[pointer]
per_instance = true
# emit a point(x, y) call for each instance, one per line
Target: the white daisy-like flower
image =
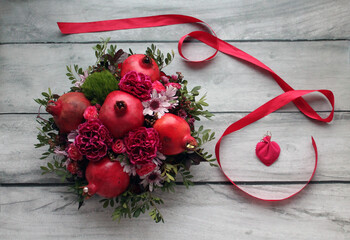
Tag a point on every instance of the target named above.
point(71, 136)
point(60, 152)
point(152, 179)
point(159, 159)
point(128, 168)
point(158, 105)
point(82, 79)
point(67, 162)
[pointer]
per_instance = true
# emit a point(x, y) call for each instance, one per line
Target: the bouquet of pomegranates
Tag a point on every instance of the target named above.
point(123, 130)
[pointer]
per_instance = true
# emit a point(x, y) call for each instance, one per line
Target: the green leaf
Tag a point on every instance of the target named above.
point(200, 128)
point(44, 168)
point(50, 165)
point(45, 94)
point(196, 88)
point(170, 177)
point(137, 213)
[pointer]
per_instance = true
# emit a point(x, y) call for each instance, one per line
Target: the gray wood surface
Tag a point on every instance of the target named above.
point(204, 212)
point(35, 21)
point(304, 65)
point(306, 42)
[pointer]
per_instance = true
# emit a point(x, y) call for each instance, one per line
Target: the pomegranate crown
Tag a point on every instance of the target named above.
point(53, 107)
point(147, 61)
point(120, 108)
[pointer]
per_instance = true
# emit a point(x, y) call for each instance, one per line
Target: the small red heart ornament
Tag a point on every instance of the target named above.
point(267, 151)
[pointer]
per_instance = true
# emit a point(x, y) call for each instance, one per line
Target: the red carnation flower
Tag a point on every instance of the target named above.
point(158, 86)
point(90, 113)
point(175, 85)
point(93, 139)
point(146, 169)
point(73, 153)
point(164, 77)
point(137, 84)
point(118, 146)
point(142, 145)
point(72, 167)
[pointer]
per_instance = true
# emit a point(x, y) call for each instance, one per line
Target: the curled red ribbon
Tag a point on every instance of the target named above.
point(222, 46)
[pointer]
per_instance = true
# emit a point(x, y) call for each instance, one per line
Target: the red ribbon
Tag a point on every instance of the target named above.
point(222, 46)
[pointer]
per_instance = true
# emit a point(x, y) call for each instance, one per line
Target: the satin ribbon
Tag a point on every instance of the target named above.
point(213, 41)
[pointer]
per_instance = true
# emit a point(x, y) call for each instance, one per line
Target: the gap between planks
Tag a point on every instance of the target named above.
point(243, 183)
point(175, 41)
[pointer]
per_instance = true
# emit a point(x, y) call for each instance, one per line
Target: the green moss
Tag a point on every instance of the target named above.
point(98, 85)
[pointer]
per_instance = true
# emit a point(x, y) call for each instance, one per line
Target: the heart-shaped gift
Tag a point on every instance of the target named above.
point(267, 151)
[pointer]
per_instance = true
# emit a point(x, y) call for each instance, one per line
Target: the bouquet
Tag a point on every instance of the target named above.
point(124, 130)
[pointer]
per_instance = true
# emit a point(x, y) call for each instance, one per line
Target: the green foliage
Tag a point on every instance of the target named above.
point(158, 56)
point(77, 188)
point(206, 156)
point(47, 97)
point(188, 100)
point(100, 49)
point(186, 177)
point(73, 76)
point(112, 50)
point(132, 205)
point(168, 186)
point(203, 135)
point(98, 85)
point(169, 172)
point(47, 134)
point(59, 169)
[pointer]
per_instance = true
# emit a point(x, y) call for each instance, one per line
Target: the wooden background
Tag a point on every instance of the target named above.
point(305, 42)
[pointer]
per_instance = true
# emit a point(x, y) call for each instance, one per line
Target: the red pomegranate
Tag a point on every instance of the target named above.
point(68, 110)
point(106, 178)
point(121, 112)
point(141, 63)
point(175, 134)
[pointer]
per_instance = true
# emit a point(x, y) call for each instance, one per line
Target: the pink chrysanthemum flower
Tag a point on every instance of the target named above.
point(158, 105)
point(170, 93)
point(128, 168)
point(152, 179)
point(72, 135)
point(82, 79)
point(60, 152)
point(159, 159)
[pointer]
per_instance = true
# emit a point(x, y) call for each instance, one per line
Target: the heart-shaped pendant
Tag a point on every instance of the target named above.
point(267, 151)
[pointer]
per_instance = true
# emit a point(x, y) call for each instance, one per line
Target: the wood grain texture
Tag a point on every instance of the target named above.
point(203, 212)
point(304, 65)
point(20, 161)
point(33, 56)
point(35, 21)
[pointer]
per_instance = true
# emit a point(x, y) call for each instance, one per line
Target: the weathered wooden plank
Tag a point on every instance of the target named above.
point(19, 161)
point(203, 212)
point(27, 70)
point(35, 21)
